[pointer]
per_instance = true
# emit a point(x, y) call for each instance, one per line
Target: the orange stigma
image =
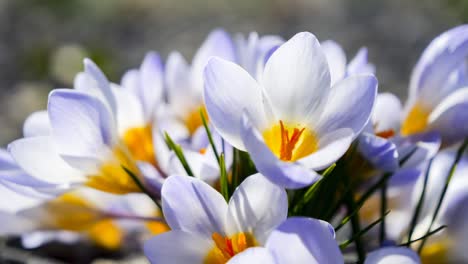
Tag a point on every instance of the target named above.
point(288, 143)
point(227, 247)
point(386, 133)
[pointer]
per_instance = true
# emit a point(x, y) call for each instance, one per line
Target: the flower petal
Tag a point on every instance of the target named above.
point(253, 255)
point(38, 157)
point(177, 247)
point(151, 92)
point(217, 44)
point(349, 105)
point(450, 117)
point(380, 152)
point(193, 206)
point(331, 147)
point(37, 124)
point(81, 124)
point(359, 64)
point(228, 90)
point(387, 112)
point(257, 206)
point(304, 240)
point(336, 59)
point(286, 174)
point(390, 255)
point(102, 83)
point(297, 79)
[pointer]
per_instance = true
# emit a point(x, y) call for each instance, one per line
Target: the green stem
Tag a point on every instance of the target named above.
point(142, 187)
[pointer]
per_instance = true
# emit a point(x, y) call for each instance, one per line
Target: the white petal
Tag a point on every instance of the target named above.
point(193, 206)
point(257, 206)
point(297, 79)
point(349, 105)
point(387, 112)
point(331, 147)
point(177, 247)
point(390, 255)
point(336, 59)
point(151, 92)
point(37, 124)
point(229, 90)
point(129, 110)
point(37, 157)
point(253, 255)
point(359, 64)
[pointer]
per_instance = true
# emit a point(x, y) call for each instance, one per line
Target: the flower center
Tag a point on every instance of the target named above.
point(193, 120)
point(416, 121)
point(139, 141)
point(386, 133)
point(227, 247)
point(112, 178)
point(290, 143)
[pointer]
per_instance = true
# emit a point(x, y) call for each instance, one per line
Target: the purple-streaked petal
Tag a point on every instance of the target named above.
point(286, 174)
point(304, 240)
point(441, 57)
point(177, 247)
point(380, 152)
point(193, 206)
point(450, 117)
point(229, 90)
point(81, 124)
point(297, 79)
point(152, 78)
point(102, 83)
point(391, 255)
point(359, 64)
point(152, 177)
point(217, 44)
point(349, 105)
point(257, 206)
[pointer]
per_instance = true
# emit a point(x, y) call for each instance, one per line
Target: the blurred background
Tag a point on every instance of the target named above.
point(43, 42)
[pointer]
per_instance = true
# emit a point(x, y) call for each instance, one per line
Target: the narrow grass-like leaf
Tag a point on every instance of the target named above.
point(407, 244)
point(223, 178)
point(419, 205)
point(141, 186)
point(458, 156)
point(362, 232)
point(179, 153)
point(383, 209)
point(210, 136)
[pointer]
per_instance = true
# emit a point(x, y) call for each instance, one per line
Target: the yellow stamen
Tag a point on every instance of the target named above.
point(290, 143)
point(227, 247)
point(416, 121)
point(157, 228)
point(202, 151)
point(193, 120)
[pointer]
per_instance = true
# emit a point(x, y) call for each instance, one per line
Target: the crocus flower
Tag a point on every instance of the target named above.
point(390, 255)
point(93, 130)
point(296, 240)
point(438, 98)
point(206, 229)
point(292, 122)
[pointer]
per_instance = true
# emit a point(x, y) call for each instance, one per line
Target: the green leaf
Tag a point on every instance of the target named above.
point(179, 153)
point(210, 136)
point(407, 244)
point(223, 178)
point(141, 186)
point(362, 232)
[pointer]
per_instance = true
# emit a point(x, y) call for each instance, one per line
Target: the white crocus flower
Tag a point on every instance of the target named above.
point(292, 122)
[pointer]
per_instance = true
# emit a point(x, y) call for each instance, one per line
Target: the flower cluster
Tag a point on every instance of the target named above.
point(261, 150)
